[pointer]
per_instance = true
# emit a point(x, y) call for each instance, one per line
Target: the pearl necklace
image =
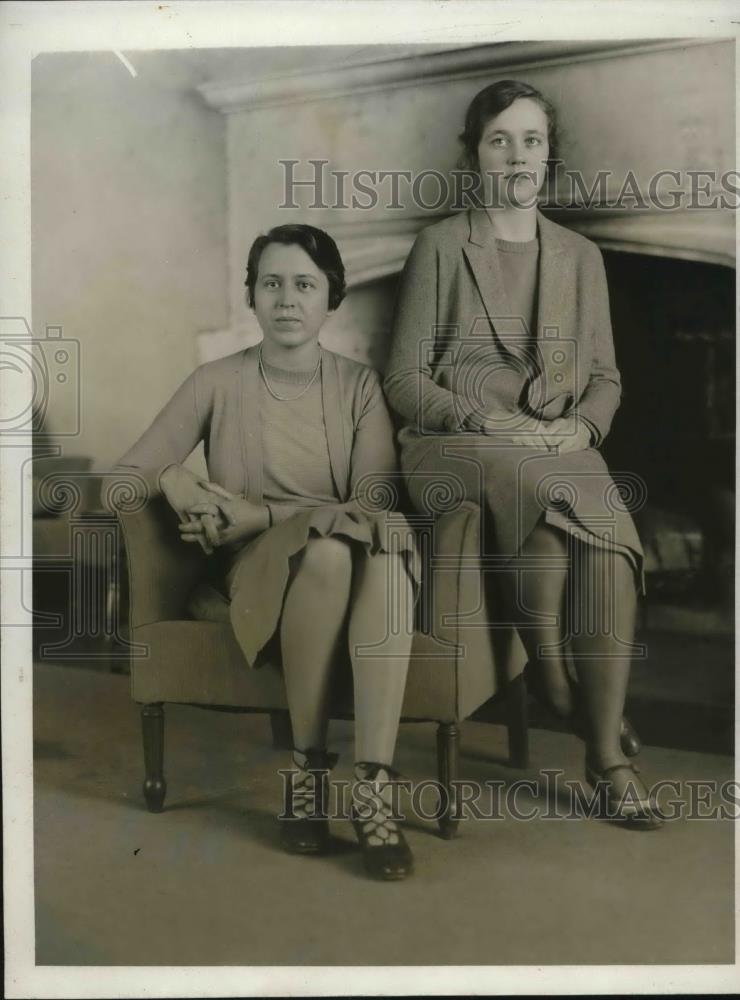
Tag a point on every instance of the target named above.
point(288, 399)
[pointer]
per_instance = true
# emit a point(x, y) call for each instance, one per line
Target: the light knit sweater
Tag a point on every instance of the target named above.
point(221, 405)
point(295, 453)
point(519, 265)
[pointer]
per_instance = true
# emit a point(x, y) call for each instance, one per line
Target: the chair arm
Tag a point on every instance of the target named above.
point(162, 569)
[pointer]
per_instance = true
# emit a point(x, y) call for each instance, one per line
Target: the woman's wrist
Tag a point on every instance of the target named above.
point(167, 473)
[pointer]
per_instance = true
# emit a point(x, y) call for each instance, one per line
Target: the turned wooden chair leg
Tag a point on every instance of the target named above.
point(282, 731)
point(152, 728)
point(448, 746)
point(517, 723)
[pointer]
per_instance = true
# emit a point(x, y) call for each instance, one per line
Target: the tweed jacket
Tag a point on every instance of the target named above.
point(219, 405)
point(457, 351)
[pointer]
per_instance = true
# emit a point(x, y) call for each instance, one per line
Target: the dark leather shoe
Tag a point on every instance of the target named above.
point(620, 803)
point(385, 853)
point(304, 836)
point(304, 825)
point(629, 740)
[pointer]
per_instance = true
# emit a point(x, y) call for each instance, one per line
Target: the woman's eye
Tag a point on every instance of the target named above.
point(305, 284)
point(498, 140)
point(534, 140)
point(270, 283)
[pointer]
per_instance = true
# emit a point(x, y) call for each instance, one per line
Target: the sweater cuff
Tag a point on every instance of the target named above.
point(592, 429)
point(157, 477)
point(133, 475)
point(462, 417)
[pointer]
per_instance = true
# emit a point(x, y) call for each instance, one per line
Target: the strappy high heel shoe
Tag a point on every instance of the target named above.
point(304, 825)
point(385, 852)
point(619, 804)
point(628, 738)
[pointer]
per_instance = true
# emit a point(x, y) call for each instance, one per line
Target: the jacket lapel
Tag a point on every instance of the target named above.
point(251, 426)
point(556, 320)
point(555, 279)
point(485, 264)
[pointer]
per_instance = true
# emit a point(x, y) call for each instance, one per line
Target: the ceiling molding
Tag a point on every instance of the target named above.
point(454, 63)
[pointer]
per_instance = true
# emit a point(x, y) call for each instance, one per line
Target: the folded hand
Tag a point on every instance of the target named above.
point(568, 434)
point(565, 434)
point(524, 431)
point(236, 519)
point(184, 490)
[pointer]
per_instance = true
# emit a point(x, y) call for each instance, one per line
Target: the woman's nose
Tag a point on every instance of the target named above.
point(517, 153)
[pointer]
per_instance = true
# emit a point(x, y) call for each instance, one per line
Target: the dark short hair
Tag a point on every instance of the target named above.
point(491, 101)
point(319, 246)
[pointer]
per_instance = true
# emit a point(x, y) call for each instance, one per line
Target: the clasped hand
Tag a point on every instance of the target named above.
point(226, 520)
point(565, 434)
point(210, 515)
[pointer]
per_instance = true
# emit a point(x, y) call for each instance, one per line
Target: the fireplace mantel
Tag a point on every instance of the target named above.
point(706, 235)
point(375, 250)
point(626, 106)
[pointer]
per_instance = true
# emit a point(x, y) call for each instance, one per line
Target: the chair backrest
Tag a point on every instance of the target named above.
point(163, 570)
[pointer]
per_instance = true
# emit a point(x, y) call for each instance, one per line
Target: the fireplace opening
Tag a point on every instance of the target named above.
point(675, 341)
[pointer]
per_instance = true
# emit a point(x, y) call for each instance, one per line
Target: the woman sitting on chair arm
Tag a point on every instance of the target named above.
point(502, 367)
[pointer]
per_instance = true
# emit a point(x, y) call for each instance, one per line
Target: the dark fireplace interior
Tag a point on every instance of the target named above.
point(674, 335)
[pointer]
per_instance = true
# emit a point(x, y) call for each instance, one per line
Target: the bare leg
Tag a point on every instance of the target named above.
point(313, 616)
point(536, 597)
point(380, 636)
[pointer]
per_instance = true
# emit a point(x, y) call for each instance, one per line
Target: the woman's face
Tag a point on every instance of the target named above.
point(515, 148)
point(291, 295)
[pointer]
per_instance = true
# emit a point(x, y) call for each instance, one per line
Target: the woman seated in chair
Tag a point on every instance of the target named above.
point(299, 443)
point(502, 366)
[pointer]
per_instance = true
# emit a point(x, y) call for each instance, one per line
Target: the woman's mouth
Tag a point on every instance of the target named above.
point(287, 320)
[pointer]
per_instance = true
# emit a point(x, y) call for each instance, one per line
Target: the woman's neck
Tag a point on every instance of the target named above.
point(515, 224)
point(301, 358)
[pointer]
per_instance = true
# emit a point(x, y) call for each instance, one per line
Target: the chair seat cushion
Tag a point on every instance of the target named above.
point(200, 662)
point(457, 660)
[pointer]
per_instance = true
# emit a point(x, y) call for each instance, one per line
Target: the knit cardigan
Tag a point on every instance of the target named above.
point(219, 405)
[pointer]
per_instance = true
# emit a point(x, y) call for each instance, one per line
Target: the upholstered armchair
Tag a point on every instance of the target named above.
point(177, 658)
